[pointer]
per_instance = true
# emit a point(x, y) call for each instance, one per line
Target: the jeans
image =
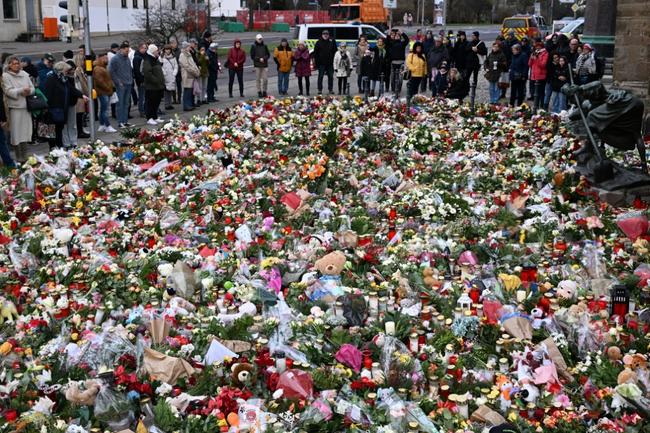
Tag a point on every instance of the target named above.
point(261, 78)
point(540, 85)
point(204, 89)
point(212, 86)
point(396, 77)
point(329, 70)
point(517, 92)
point(547, 94)
point(170, 95)
point(122, 106)
point(141, 98)
point(4, 151)
point(188, 98)
point(69, 133)
point(104, 105)
point(414, 86)
point(306, 84)
point(343, 85)
point(559, 101)
point(283, 82)
point(240, 79)
point(152, 98)
point(495, 92)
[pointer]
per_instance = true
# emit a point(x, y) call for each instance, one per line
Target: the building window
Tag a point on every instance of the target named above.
point(135, 4)
point(124, 4)
point(10, 8)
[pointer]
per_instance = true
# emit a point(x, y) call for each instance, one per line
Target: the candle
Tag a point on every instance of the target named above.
point(521, 295)
point(414, 343)
point(390, 328)
point(280, 362)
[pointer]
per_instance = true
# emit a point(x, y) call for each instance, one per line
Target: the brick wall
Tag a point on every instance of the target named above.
point(632, 50)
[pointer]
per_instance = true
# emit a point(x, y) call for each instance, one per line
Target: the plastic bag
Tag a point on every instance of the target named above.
point(593, 262)
point(103, 350)
point(113, 409)
point(400, 367)
point(21, 259)
point(355, 309)
point(643, 271)
point(633, 224)
point(296, 384)
point(318, 411)
point(168, 218)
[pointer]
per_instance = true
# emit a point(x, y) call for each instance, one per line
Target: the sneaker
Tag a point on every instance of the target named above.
point(122, 125)
point(101, 128)
point(151, 122)
point(230, 95)
point(110, 129)
point(169, 107)
point(159, 120)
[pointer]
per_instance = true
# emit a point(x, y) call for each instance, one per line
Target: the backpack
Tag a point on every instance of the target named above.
point(600, 67)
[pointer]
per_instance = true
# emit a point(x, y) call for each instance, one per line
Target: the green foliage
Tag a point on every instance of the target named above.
point(207, 382)
point(164, 417)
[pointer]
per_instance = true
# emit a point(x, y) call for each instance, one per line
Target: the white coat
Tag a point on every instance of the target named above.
point(170, 69)
point(340, 69)
point(20, 120)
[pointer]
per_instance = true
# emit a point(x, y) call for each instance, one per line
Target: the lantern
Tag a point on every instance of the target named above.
point(464, 303)
point(619, 304)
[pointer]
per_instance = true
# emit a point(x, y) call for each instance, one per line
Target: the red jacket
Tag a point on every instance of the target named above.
point(236, 55)
point(537, 63)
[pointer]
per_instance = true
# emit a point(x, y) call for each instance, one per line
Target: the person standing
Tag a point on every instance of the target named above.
point(396, 46)
point(213, 71)
point(560, 78)
point(44, 67)
point(406, 19)
point(495, 64)
point(30, 68)
point(324, 51)
point(206, 40)
point(138, 57)
point(235, 65)
point(5, 156)
point(122, 75)
point(81, 82)
point(459, 56)
point(154, 84)
point(204, 71)
point(189, 72)
point(585, 65)
point(16, 86)
point(170, 70)
point(518, 76)
point(176, 51)
point(574, 52)
point(303, 67)
point(283, 57)
point(475, 53)
point(260, 55)
point(342, 67)
point(537, 64)
point(416, 63)
point(61, 95)
point(438, 54)
point(69, 133)
point(380, 68)
point(359, 52)
point(104, 89)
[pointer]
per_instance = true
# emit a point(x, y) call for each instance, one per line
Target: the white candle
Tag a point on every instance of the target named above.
point(390, 328)
point(521, 295)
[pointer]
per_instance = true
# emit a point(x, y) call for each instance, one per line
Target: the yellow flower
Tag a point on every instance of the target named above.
point(5, 348)
point(512, 417)
point(79, 205)
point(510, 282)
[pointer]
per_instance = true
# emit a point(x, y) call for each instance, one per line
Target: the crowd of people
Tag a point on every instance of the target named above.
point(154, 79)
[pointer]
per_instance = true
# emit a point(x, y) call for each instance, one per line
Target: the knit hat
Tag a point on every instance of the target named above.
point(68, 54)
point(587, 47)
point(49, 57)
point(214, 46)
point(114, 45)
point(152, 50)
point(476, 33)
point(258, 37)
point(185, 45)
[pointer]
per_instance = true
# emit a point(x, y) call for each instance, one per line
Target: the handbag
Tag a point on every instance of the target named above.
point(36, 102)
point(114, 99)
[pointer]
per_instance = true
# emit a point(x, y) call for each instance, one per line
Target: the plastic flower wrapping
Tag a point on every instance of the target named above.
point(323, 265)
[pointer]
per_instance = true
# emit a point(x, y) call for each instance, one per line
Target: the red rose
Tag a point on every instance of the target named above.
point(11, 415)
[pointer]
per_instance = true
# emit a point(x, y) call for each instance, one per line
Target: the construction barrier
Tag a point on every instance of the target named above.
point(280, 27)
point(231, 27)
point(268, 18)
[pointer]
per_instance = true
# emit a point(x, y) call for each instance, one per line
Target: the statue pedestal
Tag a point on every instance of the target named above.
point(600, 26)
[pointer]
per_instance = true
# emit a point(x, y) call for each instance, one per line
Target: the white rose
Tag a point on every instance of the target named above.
point(165, 269)
point(207, 283)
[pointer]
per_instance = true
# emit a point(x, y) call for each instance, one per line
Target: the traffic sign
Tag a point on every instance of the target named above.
point(575, 7)
point(390, 4)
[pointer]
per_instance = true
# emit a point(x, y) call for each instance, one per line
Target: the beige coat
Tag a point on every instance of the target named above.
point(20, 120)
point(189, 70)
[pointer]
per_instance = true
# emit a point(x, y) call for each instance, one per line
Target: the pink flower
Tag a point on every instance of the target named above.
point(593, 222)
point(564, 400)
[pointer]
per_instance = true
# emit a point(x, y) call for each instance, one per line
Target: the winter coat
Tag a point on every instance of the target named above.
point(260, 51)
point(61, 93)
point(189, 70)
point(213, 63)
point(102, 79)
point(537, 63)
point(204, 65)
point(342, 63)
point(359, 51)
point(586, 64)
point(138, 74)
point(13, 85)
point(303, 62)
point(559, 71)
point(495, 64)
point(283, 58)
point(324, 52)
point(380, 64)
point(436, 56)
point(121, 70)
point(238, 56)
point(43, 71)
point(417, 65)
point(365, 63)
point(427, 45)
point(441, 84)
point(458, 89)
point(397, 48)
point(170, 70)
point(519, 67)
point(460, 54)
point(152, 72)
point(473, 61)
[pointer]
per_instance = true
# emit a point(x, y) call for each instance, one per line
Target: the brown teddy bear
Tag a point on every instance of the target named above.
point(85, 397)
point(242, 375)
point(330, 266)
point(429, 278)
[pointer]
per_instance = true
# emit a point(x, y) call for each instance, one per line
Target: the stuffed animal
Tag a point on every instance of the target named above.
point(8, 312)
point(614, 353)
point(242, 375)
point(567, 289)
point(330, 266)
point(635, 361)
point(627, 376)
point(86, 397)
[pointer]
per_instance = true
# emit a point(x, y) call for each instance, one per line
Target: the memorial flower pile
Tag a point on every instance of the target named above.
point(323, 265)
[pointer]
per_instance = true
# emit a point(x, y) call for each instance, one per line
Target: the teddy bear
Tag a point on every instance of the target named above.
point(242, 375)
point(8, 312)
point(330, 267)
point(86, 397)
point(614, 353)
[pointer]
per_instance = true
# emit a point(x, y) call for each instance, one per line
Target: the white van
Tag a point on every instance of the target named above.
point(348, 33)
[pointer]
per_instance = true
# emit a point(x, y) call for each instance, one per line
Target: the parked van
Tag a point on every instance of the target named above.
point(348, 33)
point(530, 26)
point(575, 27)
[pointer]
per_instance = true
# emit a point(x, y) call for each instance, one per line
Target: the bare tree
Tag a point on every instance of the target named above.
point(163, 21)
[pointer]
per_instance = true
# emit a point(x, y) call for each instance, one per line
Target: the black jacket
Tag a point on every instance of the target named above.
point(380, 64)
point(58, 92)
point(473, 61)
point(460, 54)
point(137, 61)
point(213, 63)
point(397, 48)
point(3, 113)
point(458, 89)
point(436, 56)
point(260, 51)
point(152, 71)
point(324, 52)
point(559, 71)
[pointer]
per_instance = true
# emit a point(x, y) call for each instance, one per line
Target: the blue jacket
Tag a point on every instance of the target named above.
point(42, 74)
point(519, 66)
point(121, 70)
